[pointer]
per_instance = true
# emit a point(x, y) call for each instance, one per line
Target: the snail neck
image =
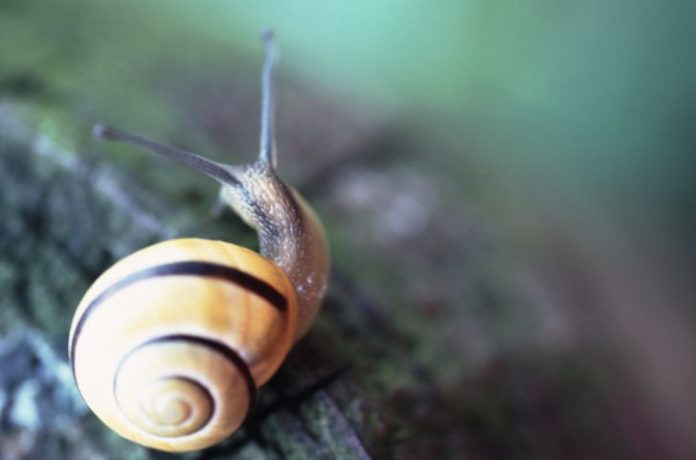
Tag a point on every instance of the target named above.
point(289, 232)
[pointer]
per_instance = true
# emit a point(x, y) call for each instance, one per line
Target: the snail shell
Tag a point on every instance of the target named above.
point(169, 345)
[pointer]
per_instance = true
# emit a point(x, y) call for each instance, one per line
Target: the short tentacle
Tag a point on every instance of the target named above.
point(218, 171)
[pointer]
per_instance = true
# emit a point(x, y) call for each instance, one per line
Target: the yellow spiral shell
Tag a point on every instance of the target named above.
point(169, 345)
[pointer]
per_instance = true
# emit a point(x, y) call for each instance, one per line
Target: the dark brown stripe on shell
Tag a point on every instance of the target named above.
point(203, 269)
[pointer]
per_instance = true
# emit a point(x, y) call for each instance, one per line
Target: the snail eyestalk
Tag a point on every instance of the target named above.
point(213, 169)
point(268, 143)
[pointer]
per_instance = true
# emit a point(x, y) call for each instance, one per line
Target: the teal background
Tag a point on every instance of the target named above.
point(591, 100)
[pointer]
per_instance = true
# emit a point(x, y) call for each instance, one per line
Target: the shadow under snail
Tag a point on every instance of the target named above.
point(170, 344)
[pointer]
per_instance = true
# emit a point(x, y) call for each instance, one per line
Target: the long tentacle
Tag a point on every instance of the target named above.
point(268, 143)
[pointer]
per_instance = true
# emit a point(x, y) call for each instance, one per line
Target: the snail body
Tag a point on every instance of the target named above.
point(169, 346)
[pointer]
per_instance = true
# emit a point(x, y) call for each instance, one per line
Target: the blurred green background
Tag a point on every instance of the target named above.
point(591, 100)
point(565, 129)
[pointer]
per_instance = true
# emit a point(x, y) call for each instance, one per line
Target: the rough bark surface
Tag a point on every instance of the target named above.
point(417, 352)
point(64, 221)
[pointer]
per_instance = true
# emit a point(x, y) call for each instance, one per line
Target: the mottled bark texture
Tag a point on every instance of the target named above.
point(430, 343)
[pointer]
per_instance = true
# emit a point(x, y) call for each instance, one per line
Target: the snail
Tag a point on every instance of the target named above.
point(169, 345)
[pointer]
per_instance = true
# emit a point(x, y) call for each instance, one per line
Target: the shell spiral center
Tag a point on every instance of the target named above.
point(174, 406)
